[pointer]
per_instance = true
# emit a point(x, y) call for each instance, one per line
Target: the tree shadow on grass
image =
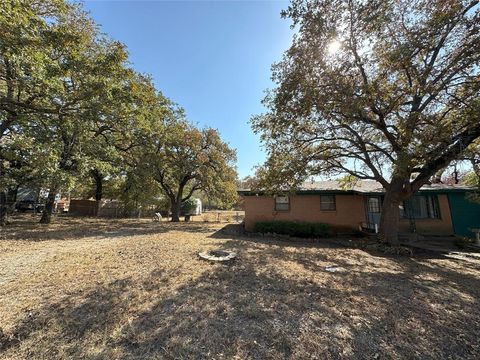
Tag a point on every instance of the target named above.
point(366, 244)
point(231, 311)
point(68, 227)
point(309, 253)
point(251, 309)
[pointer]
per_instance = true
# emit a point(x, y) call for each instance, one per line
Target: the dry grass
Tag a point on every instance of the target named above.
point(133, 289)
point(221, 216)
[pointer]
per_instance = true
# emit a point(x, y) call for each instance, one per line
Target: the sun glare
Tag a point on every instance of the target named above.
point(334, 46)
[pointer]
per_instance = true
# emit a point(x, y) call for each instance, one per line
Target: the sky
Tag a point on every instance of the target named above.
point(213, 58)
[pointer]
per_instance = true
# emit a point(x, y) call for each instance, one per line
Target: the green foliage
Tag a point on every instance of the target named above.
point(218, 203)
point(388, 102)
point(471, 179)
point(189, 206)
point(398, 101)
point(185, 160)
point(138, 192)
point(472, 155)
point(293, 228)
point(57, 76)
point(74, 116)
point(348, 182)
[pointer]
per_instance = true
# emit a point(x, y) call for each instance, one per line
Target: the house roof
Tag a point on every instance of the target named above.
point(334, 185)
point(362, 187)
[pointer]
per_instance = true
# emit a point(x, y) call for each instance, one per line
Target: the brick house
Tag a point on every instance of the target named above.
point(428, 212)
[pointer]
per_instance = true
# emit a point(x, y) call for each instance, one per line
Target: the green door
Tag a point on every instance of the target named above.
point(465, 214)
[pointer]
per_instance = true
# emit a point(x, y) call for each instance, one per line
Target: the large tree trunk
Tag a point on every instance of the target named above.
point(98, 177)
point(47, 212)
point(3, 208)
point(390, 217)
point(3, 195)
point(175, 205)
point(12, 199)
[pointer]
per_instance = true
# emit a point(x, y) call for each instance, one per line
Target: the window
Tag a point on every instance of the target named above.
point(373, 204)
point(420, 207)
point(282, 203)
point(327, 202)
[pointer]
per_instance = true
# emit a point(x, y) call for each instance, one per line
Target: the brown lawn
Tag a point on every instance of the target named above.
point(134, 289)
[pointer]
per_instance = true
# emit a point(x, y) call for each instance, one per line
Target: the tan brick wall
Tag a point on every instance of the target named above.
point(349, 213)
point(442, 226)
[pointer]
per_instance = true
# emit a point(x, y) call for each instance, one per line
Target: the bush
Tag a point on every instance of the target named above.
point(462, 242)
point(293, 228)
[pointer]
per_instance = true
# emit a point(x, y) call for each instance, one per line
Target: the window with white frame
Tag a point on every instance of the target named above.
point(282, 203)
point(327, 202)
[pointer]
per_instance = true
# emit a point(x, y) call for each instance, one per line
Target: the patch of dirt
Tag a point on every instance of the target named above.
point(134, 289)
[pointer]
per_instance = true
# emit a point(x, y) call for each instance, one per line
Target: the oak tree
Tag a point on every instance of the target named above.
point(382, 90)
point(184, 160)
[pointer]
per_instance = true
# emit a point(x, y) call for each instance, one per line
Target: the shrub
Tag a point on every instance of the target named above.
point(293, 228)
point(462, 242)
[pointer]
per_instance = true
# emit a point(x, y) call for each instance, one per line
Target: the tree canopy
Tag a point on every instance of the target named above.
point(184, 160)
point(381, 90)
point(72, 109)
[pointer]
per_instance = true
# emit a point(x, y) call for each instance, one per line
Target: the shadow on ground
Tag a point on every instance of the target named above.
point(252, 309)
point(341, 242)
point(68, 227)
